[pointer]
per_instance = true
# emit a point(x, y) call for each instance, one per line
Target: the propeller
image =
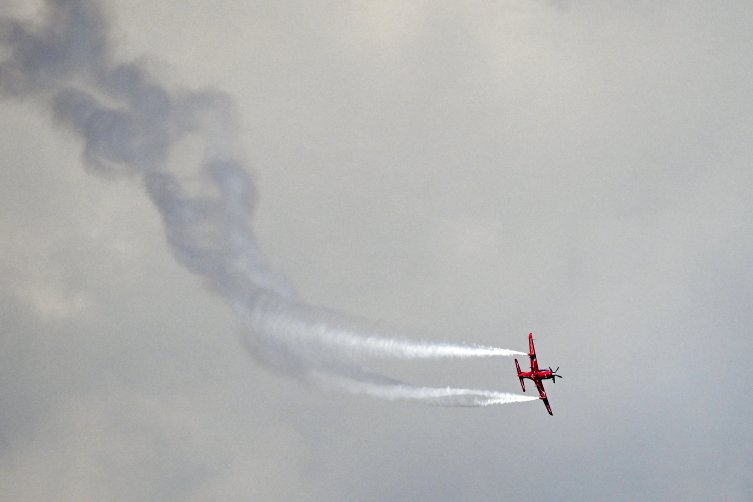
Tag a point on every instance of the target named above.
point(554, 374)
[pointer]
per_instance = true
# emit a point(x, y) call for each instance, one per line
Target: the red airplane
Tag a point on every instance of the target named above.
point(538, 376)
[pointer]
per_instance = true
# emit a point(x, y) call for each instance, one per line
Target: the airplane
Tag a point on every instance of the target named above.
point(537, 375)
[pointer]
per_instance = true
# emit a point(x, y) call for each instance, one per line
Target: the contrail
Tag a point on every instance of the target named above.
point(130, 125)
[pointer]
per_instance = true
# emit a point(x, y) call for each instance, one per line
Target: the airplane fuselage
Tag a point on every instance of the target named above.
point(539, 375)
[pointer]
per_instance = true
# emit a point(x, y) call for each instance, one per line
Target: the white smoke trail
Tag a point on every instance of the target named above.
point(438, 396)
point(130, 124)
point(304, 326)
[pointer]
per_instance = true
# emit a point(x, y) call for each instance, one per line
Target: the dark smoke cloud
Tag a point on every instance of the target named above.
point(131, 125)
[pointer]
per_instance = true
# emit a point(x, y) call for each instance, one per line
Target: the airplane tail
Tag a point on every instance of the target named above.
point(522, 384)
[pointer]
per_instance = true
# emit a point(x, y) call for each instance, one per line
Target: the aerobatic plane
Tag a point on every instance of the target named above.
point(538, 376)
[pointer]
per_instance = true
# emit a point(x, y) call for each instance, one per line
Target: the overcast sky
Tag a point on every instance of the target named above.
point(469, 172)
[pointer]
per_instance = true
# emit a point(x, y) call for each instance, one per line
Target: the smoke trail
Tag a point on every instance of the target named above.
point(130, 124)
point(438, 396)
point(342, 335)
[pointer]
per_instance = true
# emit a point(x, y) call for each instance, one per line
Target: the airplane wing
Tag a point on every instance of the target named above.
point(531, 348)
point(532, 353)
point(542, 396)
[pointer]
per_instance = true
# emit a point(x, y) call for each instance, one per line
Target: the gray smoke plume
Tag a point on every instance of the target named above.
point(131, 125)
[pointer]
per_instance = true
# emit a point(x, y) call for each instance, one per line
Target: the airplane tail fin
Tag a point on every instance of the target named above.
point(522, 384)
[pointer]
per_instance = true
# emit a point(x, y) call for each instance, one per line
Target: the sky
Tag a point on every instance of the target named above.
point(467, 172)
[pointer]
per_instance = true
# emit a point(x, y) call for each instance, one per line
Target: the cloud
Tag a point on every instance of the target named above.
point(603, 148)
